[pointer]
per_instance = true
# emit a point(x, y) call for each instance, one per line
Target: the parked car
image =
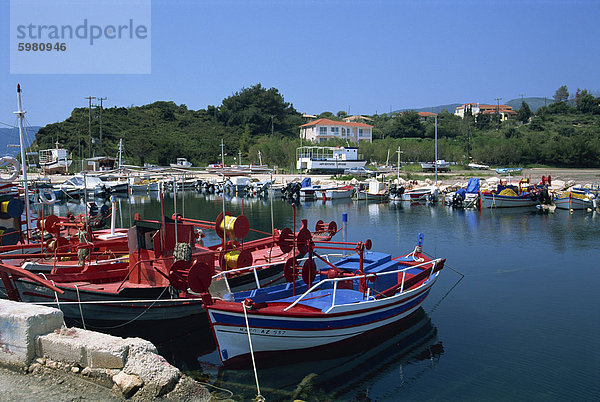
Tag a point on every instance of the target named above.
point(359, 171)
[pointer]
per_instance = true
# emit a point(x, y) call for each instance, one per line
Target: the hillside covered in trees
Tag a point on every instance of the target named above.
point(565, 133)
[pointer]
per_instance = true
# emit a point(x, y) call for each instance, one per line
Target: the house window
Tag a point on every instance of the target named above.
point(323, 130)
point(360, 132)
point(335, 130)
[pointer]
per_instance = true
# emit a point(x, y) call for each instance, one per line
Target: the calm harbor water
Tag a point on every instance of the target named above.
point(522, 324)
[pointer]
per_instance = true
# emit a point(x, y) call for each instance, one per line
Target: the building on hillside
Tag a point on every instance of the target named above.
point(505, 111)
point(321, 130)
point(425, 115)
point(357, 118)
point(308, 117)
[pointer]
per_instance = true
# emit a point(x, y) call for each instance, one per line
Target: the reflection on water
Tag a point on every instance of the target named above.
point(413, 349)
point(530, 288)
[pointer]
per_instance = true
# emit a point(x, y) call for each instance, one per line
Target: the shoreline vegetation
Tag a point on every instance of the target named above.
point(257, 125)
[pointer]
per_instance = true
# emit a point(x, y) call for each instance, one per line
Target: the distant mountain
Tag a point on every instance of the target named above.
point(10, 136)
point(533, 103)
point(434, 109)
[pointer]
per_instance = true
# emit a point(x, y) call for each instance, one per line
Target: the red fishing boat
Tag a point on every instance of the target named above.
point(151, 282)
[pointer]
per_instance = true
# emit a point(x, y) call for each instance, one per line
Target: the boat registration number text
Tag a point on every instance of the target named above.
point(264, 331)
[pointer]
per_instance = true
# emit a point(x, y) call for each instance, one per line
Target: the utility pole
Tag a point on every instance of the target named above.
point(101, 152)
point(89, 98)
point(522, 100)
point(498, 111)
point(468, 142)
point(79, 146)
point(436, 155)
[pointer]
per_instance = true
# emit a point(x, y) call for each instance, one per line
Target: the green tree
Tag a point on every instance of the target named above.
point(586, 102)
point(408, 124)
point(561, 94)
point(328, 115)
point(524, 113)
point(258, 108)
point(483, 121)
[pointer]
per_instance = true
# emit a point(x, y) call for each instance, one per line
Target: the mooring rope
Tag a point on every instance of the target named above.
point(259, 397)
point(56, 298)
point(218, 389)
point(79, 304)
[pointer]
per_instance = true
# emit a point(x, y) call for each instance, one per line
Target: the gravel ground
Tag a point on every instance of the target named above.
point(46, 384)
point(51, 385)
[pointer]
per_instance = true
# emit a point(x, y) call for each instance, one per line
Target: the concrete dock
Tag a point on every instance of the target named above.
point(40, 359)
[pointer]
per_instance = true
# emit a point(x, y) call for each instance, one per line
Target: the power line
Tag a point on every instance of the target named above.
point(89, 98)
point(498, 111)
point(101, 99)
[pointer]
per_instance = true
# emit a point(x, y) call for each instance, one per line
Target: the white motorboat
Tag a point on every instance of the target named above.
point(77, 185)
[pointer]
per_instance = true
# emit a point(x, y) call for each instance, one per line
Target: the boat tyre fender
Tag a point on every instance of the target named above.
point(9, 160)
point(47, 197)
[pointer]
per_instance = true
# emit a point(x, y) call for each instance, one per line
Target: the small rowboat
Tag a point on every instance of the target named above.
point(356, 296)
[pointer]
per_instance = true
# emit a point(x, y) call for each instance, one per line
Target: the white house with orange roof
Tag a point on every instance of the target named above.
point(505, 111)
point(321, 130)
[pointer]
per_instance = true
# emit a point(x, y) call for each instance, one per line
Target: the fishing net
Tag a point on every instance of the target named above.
point(576, 195)
point(508, 192)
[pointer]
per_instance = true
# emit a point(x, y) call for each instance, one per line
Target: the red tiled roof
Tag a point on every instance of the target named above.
point(427, 114)
point(501, 111)
point(506, 107)
point(327, 122)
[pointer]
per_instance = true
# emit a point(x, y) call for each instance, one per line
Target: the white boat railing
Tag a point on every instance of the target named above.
point(256, 268)
point(365, 276)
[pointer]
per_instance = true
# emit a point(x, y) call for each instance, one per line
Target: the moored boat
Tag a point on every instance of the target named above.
point(576, 199)
point(348, 301)
point(510, 196)
point(152, 283)
point(338, 193)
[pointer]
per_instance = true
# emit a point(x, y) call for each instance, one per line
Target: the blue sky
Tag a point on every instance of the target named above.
point(367, 56)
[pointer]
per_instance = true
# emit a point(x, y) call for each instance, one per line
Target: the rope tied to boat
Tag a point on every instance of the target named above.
point(56, 298)
point(79, 304)
point(248, 306)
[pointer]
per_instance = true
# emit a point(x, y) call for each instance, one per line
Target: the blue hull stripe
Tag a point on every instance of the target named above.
point(315, 324)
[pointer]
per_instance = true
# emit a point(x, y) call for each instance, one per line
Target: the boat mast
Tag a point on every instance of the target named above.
point(120, 151)
point(21, 115)
point(436, 156)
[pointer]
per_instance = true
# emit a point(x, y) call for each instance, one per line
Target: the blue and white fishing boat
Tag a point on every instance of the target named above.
point(351, 299)
point(576, 199)
point(509, 170)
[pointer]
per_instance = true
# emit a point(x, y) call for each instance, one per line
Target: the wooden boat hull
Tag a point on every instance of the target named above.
point(337, 194)
point(277, 333)
point(501, 201)
point(129, 304)
point(364, 195)
point(574, 203)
